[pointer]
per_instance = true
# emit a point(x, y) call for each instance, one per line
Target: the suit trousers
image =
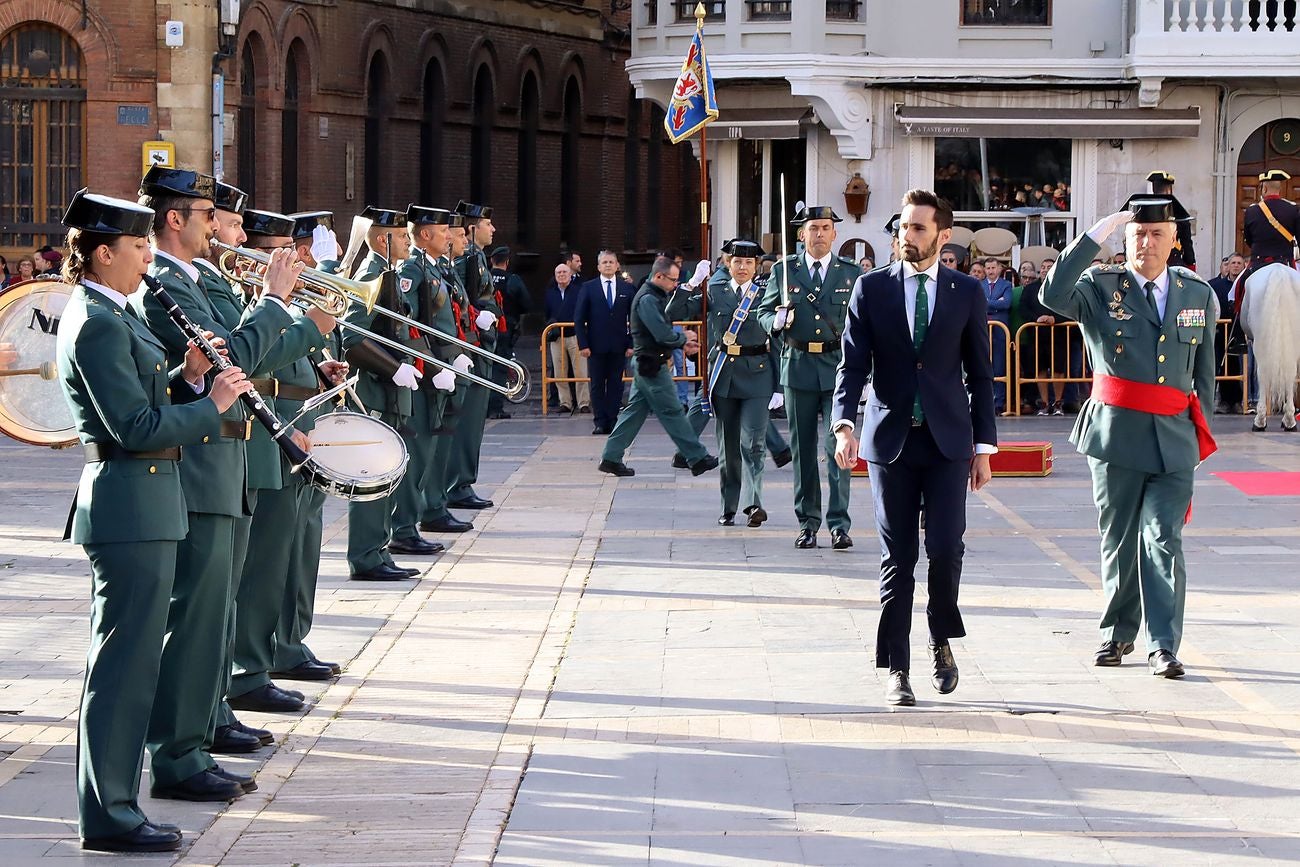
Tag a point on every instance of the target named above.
point(1143, 573)
point(606, 372)
point(802, 408)
point(742, 425)
point(299, 606)
point(699, 421)
point(191, 676)
point(920, 479)
point(566, 361)
point(130, 585)
point(653, 394)
point(408, 499)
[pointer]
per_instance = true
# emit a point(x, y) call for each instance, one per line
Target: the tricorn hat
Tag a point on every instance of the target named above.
point(473, 211)
point(746, 249)
point(1160, 175)
point(267, 223)
point(815, 212)
point(160, 181)
point(1147, 208)
point(419, 215)
point(891, 227)
point(1275, 175)
point(92, 212)
point(456, 221)
point(230, 199)
point(384, 218)
point(305, 222)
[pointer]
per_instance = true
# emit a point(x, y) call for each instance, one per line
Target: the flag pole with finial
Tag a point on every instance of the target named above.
point(702, 356)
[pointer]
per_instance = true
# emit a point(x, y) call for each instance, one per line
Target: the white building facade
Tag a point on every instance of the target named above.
point(1057, 107)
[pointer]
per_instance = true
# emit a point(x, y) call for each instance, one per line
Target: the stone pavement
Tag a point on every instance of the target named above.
point(599, 674)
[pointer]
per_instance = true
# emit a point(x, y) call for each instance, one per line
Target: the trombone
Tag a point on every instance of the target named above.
point(333, 294)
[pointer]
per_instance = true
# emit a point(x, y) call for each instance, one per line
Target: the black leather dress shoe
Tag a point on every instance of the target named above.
point(945, 668)
point(146, 837)
point(247, 783)
point(782, 458)
point(306, 671)
point(416, 547)
point(679, 462)
point(727, 520)
point(332, 666)
point(163, 826)
point(756, 516)
point(408, 570)
point(445, 524)
point(563, 410)
point(262, 735)
point(840, 540)
point(806, 539)
point(899, 690)
point(229, 741)
point(1112, 653)
point(1165, 664)
point(382, 572)
point(470, 503)
point(616, 468)
point(703, 465)
point(266, 699)
point(290, 692)
point(203, 786)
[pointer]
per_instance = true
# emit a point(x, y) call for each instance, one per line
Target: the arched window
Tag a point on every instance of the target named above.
point(376, 109)
point(246, 123)
point(431, 119)
point(290, 141)
point(632, 172)
point(480, 138)
point(42, 133)
point(570, 148)
point(529, 97)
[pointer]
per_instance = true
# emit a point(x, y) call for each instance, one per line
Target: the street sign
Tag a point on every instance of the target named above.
point(159, 153)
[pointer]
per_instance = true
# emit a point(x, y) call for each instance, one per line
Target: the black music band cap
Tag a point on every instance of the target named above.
point(746, 249)
point(92, 212)
point(419, 215)
point(1151, 209)
point(230, 199)
point(1275, 175)
point(159, 181)
point(1160, 176)
point(305, 222)
point(384, 218)
point(267, 223)
point(456, 221)
point(891, 227)
point(815, 212)
point(473, 211)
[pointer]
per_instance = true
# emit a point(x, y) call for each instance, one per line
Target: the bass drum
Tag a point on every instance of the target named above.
point(32, 406)
point(355, 457)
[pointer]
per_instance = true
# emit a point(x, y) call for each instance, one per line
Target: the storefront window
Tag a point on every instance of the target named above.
point(996, 174)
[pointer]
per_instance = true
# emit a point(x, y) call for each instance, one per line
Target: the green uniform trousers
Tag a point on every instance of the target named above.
point(299, 604)
point(1143, 573)
point(222, 715)
point(370, 523)
point(408, 499)
point(434, 485)
point(699, 421)
point(467, 442)
point(802, 408)
point(191, 676)
point(653, 394)
point(131, 583)
point(741, 428)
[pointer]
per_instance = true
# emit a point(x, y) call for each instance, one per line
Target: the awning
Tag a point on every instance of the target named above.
point(1025, 122)
point(761, 123)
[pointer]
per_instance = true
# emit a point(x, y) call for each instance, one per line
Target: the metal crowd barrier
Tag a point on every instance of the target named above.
point(561, 375)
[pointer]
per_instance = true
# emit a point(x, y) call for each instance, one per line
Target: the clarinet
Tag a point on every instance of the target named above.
point(252, 400)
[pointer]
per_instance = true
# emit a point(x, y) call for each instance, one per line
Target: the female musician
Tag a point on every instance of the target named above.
point(131, 416)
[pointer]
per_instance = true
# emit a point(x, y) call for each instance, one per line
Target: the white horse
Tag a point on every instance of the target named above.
point(1270, 317)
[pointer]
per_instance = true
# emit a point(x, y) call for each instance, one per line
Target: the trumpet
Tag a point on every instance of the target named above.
point(334, 294)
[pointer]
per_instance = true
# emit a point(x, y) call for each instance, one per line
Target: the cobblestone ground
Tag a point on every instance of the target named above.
point(599, 674)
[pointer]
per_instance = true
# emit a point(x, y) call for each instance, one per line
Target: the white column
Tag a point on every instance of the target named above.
point(725, 218)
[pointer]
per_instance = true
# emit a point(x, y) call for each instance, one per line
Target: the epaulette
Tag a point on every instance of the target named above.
point(1187, 273)
point(846, 260)
point(1108, 268)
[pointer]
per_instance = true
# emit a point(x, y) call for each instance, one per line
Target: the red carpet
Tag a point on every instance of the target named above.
point(1264, 484)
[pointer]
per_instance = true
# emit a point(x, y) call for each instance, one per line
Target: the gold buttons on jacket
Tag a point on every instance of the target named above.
point(205, 439)
point(283, 330)
point(1161, 379)
point(169, 391)
point(157, 367)
point(1162, 338)
point(153, 469)
point(1161, 358)
point(1193, 341)
point(1121, 334)
point(818, 317)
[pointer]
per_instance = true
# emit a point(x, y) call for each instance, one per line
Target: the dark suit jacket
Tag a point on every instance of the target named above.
point(602, 328)
point(878, 344)
point(560, 309)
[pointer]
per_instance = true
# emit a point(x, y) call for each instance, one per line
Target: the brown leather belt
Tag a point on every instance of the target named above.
point(237, 430)
point(271, 387)
point(114, 452)
point(815, 348)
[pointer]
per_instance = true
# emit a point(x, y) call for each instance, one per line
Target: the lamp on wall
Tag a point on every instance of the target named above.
point(856, 195)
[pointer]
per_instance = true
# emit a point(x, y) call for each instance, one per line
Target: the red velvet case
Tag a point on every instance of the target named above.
point(1012, 459)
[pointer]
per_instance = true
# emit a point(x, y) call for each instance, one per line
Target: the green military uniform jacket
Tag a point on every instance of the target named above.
point(482, 296)
point(115, 376)
point(422, 282)
point(1124, 338)
point(651, 327)
point(742, 376)
point(818, 318)
point(376, 388)
point(215, 475)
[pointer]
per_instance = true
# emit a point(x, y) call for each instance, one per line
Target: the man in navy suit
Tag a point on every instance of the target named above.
point(928, 430)
point(600, 318)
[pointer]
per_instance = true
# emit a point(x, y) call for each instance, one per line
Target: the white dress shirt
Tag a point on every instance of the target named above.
point(1161, 292)
point(824, 260)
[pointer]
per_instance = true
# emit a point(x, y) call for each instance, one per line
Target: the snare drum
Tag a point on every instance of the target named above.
point(355, 457)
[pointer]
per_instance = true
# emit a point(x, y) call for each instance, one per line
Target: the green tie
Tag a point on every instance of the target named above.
point(920, 323)
point(817, 274)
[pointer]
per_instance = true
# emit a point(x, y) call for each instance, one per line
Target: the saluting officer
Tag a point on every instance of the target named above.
point(132, 412)
point(811, 322)
point(1149, 330)
point(386, 382)
point(1162, 187)
point(739, 389)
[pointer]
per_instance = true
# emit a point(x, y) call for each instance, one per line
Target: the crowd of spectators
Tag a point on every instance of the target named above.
point(42, 261)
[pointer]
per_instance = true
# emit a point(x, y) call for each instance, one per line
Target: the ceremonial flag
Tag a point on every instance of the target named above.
point(693, 105)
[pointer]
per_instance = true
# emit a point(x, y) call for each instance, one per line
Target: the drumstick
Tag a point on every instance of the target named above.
point(351, 392)
point(317, 445)
point(47, 370)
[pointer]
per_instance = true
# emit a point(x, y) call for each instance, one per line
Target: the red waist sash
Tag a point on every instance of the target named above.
point(1155, 399)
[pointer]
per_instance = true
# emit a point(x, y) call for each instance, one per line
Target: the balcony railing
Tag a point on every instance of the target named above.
point(1230, 16)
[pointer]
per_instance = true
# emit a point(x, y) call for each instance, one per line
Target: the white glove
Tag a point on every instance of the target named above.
point(777, 401)
point(407, 377)
point(462, 363)
point(701, 274)
point(485, 320)
point(1106, 226)
point(444, 379)
point(324, 245)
